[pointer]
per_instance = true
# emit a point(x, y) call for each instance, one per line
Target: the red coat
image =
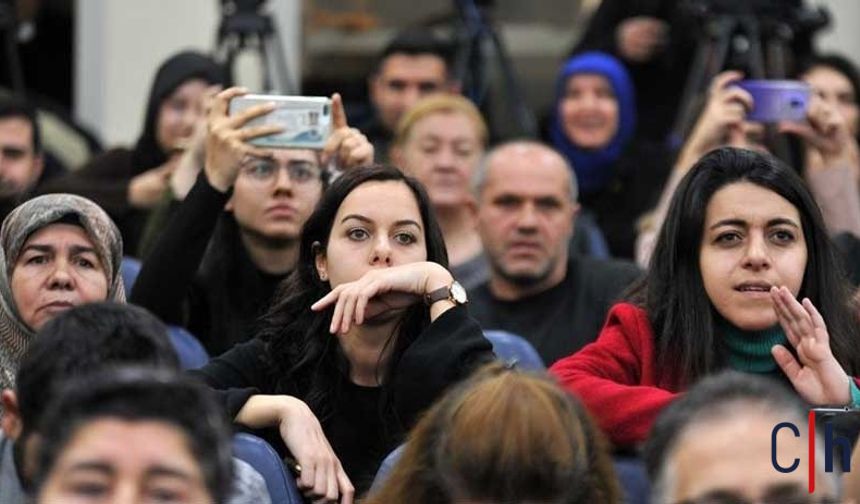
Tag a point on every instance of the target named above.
point(616, 379)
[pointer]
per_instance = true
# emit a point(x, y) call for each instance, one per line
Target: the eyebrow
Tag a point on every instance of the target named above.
point(75, 249)
point(402, 222)
point(170, 472)
point(779, 221)
point(91, 465)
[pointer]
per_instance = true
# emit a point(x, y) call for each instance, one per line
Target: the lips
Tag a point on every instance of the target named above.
point(55, 306)
point(524, 247)
point(754, 287)
point(281, 210)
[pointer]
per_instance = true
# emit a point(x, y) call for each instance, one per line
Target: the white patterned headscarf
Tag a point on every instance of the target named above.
point(26, 219)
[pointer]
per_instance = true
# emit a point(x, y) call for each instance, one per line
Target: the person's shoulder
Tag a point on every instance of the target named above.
point(603, 269)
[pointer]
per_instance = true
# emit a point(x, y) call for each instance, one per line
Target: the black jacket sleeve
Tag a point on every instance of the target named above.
point(237, 375)
point(600, 33)
point(447, 351)
point(167, 276)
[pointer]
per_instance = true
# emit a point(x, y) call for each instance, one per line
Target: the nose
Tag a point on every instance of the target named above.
point(381, 253)
point(756, 255)
point(283, 182)
point(446, 157)
point(61, 278)
point(410, 95)
point(527, 218)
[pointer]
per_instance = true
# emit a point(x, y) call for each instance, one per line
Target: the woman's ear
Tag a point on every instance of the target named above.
point(320, 261)
point(11, 420)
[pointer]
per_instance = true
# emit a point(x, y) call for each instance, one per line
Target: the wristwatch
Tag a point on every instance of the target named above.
point(454, 293)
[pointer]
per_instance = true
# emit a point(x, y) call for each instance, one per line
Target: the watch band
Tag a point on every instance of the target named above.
point(439, 294)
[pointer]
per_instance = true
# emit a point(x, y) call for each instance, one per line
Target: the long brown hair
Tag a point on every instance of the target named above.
point(503, 436)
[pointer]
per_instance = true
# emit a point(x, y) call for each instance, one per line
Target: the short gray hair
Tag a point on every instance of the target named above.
point(482, 171)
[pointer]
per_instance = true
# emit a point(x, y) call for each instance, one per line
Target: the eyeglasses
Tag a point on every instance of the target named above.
point(265, 170)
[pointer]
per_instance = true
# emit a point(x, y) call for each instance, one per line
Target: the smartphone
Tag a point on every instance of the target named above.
point(777, 100)
point(306, 120)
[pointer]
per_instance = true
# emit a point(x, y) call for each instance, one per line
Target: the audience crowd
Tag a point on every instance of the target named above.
point(695, 302)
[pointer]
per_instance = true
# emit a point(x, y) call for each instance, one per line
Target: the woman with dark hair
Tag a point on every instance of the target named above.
point(829, 150)
point(128, 183)
point(742, 242)
point(542, 447)
point(593, 125)
point(363, 336)
point(836, 80)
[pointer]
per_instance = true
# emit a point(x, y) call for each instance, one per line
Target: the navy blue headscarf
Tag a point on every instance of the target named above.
point(594, 168)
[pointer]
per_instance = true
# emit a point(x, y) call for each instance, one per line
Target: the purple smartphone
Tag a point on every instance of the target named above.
point(777, 100)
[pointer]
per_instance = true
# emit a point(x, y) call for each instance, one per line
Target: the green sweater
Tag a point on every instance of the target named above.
point(749, 351)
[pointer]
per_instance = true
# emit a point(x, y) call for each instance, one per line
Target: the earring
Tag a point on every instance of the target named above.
point(323, 277)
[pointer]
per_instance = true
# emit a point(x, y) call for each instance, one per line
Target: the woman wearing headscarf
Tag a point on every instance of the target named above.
point(593, 126)
point(128, 183)
point(56, 251)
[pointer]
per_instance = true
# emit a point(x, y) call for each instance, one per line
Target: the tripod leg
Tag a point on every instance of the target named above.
point(286, 84)
point(710, 57)
point(514, 94)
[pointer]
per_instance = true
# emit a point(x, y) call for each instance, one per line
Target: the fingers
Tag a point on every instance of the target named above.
point(239, 119)
point(338, 114)
point(258, 131)
point(793, 317)
point(723, 79)
point(347, 491)
point(817, 319)
point(221, 103)
point(325, 300)
point(786, 361)
point(350, 146)
point(739, 96)
point(783, 316)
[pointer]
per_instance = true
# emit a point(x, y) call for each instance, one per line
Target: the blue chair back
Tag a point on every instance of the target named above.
point(515, 349)
point(129, 269)
point(633, 479)
point(191, 353)
point(262, 457)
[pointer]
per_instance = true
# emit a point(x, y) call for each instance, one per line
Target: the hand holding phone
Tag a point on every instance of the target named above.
point(777, 100)
point(306, 121)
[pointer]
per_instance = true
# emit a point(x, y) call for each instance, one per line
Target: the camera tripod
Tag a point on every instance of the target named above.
point(244, 27)
point(731, 42)
point(477, 43)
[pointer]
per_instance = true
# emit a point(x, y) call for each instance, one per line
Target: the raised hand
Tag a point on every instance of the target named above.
point(382, 290)
point(347, 145)
point(226, 146)
point(640, 38)
point(826, 136)
point(815, 373)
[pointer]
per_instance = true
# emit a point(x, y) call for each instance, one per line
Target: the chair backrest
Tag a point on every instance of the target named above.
point(515, 349)
point(129, 269)
point(385, 468)
point(633, 478)
point(191, 353)
point(262, 457)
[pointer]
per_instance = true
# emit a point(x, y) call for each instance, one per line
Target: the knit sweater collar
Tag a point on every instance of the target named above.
point(750, 350)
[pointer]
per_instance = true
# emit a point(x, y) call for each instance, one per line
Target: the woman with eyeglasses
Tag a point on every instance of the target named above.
point(234, 237)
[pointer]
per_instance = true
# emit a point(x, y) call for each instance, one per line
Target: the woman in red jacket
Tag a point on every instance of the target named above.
point(743, 276)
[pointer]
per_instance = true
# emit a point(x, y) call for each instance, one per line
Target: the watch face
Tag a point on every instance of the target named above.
point(458, 293)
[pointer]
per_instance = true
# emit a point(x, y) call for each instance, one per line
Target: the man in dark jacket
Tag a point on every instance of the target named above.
point(526, 196)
